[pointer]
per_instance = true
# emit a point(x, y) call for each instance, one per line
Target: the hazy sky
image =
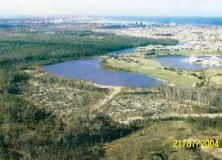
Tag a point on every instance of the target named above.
point(112, 7)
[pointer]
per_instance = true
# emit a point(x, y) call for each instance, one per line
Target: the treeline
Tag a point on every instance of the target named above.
point(207, 96)
point(67, 45)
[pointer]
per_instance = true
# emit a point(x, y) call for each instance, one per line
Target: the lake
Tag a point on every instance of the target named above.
point(178, 62)
point(90, 70)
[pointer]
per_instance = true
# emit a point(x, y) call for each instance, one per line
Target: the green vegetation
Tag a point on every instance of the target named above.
point(206, 123)
point(64, 45)
point(28, 132)
point(44, 117)
point(214, 77)
point(156, 141)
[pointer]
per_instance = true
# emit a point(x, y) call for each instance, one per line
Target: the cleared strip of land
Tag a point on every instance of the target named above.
point(114, 90)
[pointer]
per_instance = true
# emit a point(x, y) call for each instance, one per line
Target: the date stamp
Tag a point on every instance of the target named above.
point(189, 143)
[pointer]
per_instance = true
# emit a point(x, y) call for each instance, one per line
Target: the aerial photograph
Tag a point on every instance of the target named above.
point(110, 80)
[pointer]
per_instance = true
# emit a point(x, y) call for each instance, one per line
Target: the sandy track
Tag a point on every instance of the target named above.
point(114, 90)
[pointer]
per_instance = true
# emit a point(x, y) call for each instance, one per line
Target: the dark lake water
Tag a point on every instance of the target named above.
point(177, 62)
point(89, 69)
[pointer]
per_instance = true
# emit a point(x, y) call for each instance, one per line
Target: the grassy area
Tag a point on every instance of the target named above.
point(214, 77)
point(151, 67)
point(156, 142)
point(217, 80)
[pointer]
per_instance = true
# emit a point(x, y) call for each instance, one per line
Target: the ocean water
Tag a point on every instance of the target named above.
point(167, 20)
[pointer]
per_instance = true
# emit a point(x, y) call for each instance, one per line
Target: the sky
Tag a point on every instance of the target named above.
point(202, 8)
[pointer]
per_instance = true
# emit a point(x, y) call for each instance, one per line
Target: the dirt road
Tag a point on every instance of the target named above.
point(114, 90)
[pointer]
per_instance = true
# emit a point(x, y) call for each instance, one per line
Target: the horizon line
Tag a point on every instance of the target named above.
point(76, 15)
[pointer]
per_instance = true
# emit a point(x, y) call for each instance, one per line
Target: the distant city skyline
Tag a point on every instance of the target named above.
point(175, 8)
